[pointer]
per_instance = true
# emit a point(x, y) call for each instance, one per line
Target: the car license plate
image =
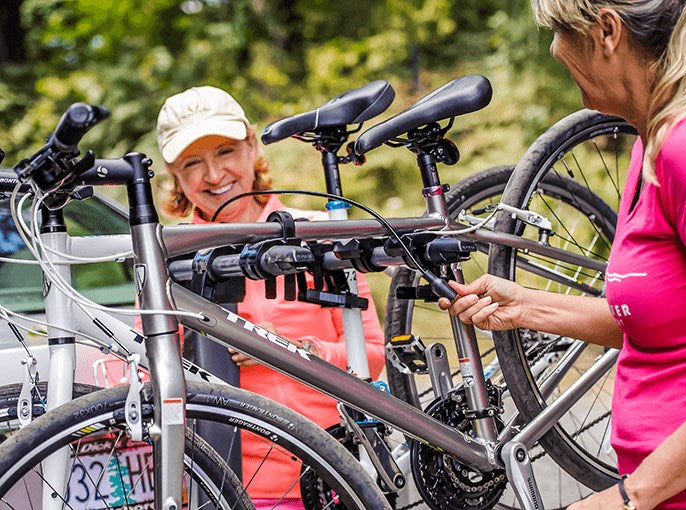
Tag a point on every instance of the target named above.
point(128, 475)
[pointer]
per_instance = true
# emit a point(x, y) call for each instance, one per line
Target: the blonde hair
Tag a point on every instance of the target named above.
point(658, 27)
point(178, 205)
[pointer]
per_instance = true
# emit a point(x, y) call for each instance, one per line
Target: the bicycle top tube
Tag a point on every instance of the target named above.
point(184, 238)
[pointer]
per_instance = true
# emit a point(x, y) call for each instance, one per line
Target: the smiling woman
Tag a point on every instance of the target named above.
point(212, 154)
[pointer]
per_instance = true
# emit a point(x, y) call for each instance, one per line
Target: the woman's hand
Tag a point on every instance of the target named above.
point(246, 361)
point(489, 303)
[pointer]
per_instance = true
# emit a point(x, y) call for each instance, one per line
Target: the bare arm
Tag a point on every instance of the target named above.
point(493, 303)
point(586, 318)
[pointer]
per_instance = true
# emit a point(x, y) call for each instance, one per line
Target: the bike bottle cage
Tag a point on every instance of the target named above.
point(209, 285)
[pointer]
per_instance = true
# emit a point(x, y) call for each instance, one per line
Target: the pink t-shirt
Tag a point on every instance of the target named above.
point(646, 291)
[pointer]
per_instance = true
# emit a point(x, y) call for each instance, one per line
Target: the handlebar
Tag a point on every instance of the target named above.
point(9, 180)
point(74, 124)
point(55, 165)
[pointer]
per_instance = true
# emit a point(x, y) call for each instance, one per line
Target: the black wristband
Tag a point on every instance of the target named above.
point(628, 504)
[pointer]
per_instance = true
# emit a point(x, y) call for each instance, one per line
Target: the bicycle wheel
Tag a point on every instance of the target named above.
point(568, 200)
point(593, 150)
point(572, 208)
point(286, 438)
point(207, 475)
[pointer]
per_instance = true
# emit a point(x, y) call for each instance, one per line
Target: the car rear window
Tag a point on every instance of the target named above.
point(109, 283)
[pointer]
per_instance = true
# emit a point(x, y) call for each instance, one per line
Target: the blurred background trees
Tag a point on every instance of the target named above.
point(279, 58)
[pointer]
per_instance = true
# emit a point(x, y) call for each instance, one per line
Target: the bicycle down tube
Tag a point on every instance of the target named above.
point(279, 354)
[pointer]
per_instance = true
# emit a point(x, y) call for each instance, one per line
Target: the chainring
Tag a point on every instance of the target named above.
point(442, 481)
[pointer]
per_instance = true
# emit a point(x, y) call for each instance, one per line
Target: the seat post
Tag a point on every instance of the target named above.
point(331, 172)
point(434, 191)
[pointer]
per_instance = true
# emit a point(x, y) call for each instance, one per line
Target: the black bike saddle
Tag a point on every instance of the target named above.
point(352, 107)
point(460, 96)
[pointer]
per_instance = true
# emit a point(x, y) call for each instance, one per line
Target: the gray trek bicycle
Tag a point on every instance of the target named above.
point(483, 451)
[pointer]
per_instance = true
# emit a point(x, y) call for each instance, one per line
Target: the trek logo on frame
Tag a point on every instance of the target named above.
point(268, 335)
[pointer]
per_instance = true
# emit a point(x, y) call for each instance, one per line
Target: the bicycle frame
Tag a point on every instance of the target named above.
point(154, 244)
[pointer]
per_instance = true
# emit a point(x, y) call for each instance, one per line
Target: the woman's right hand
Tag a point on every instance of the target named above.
point(489, 302)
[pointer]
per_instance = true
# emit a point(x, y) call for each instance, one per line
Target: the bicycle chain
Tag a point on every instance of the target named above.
point(411, 505)
point(440, 479)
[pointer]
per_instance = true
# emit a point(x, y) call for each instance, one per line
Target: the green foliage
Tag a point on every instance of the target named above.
point(279, 58)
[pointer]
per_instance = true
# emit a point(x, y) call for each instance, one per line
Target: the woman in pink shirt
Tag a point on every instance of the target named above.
point(628, 57)
point(211, 153)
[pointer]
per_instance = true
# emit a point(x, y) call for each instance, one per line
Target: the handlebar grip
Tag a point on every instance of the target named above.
point(75, 123)
point(440, 287)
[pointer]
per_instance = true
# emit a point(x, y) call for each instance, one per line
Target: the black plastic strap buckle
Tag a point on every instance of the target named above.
point(330, 287)
point(208, 285)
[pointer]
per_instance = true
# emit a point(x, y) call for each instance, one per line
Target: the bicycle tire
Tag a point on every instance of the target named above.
point(207, 468)
point(290, 435)
point(560, 150)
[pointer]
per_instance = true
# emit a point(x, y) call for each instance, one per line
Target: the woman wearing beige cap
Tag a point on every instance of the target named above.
point(211, 153)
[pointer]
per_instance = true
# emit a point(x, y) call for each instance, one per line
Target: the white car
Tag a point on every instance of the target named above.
point(21, 290)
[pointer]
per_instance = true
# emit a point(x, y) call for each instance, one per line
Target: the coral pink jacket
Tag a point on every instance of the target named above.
point(296, 320)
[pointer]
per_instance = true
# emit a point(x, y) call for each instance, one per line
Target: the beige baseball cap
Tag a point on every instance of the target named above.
point(195, 113)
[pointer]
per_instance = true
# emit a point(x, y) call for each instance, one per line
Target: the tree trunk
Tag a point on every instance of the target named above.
point(11, 32)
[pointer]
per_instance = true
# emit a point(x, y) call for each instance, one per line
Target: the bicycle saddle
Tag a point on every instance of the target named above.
point(351, 107)
point(460, 96)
